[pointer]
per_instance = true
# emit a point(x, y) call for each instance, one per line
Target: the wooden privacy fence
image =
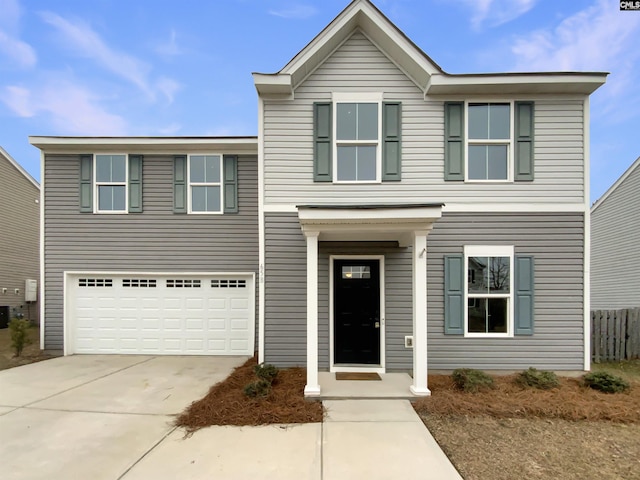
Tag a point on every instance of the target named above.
point(615, 334)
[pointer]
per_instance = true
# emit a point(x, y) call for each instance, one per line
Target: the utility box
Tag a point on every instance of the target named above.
point(30, 290)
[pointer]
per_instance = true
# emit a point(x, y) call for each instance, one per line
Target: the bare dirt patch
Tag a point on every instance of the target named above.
point(226, 403)
point(30, 354)
point(513, 448)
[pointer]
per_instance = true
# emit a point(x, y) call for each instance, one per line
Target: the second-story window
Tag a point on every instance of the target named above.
point(357, 142)
point(490, 143)
point(205, 186)
point(111, 183)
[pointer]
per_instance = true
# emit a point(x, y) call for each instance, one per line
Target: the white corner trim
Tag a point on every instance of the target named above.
point(261, 232)
point(42, 271)
point(587, 239)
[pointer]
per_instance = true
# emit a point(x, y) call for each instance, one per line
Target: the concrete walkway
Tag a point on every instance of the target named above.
point(110, 418)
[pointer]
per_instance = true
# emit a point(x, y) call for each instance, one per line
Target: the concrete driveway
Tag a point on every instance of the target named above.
point(95, 416)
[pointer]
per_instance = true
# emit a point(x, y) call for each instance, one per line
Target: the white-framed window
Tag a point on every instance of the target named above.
point(205, 183)
point(489, 134)
point(110, 181)
point(488, 291)
point(357, 129)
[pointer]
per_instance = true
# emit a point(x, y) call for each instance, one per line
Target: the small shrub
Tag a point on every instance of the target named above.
point(605, 382)
point(266, 371)
point(471, 380)
point(257, 389)
point(541, 379)
point(19, 335)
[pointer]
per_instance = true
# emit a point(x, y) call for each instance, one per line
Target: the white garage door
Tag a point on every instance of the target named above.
point(160, 314)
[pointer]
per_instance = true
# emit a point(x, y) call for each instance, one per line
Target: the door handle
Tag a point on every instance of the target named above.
point(377, 325)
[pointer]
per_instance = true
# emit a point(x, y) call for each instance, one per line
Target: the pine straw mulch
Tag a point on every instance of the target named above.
point(571, 401)
point(226, 403)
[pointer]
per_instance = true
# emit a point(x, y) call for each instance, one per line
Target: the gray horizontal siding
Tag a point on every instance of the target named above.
point(155, 240)
point(556, 241)
point(615, 235)
point(359, 66)
point(19, 237)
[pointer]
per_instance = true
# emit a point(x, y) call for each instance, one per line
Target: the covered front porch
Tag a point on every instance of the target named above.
point(356, 297)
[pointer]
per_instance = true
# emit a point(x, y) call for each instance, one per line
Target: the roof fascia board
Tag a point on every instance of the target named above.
point(552, 82)
point(617, 183)
point(19, 167)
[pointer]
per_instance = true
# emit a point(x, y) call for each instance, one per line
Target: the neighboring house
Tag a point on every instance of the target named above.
point(615, 237)
point(19, 240)
point(338, 239)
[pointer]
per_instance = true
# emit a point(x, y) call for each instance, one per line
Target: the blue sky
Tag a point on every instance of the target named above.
point(162, 67)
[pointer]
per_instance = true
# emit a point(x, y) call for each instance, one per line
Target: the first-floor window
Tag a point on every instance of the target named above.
point(489, 290)
point(111, 183)
point(205, 186)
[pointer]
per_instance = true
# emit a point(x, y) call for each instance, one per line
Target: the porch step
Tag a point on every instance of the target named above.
point(392, 386)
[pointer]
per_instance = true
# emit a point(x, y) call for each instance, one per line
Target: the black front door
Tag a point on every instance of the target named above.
point(356, 311)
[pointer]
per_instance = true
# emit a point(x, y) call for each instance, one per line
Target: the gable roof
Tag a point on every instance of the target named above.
point(617, 183)
point(3, 153)
point(362, 15)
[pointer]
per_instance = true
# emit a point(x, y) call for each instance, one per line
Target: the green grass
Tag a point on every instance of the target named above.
point(628, 369)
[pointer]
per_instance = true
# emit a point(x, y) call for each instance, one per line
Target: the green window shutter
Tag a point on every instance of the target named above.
point(322, 133)
point(524, 298)
point(230, 169)
point(454, 294)
point(391, 137)
point(135, 183)
point(180, 184)
point(524, 127)
point(454, 141)
point(86, 183)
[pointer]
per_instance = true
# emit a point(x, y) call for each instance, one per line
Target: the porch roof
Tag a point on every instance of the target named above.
point(368, 222)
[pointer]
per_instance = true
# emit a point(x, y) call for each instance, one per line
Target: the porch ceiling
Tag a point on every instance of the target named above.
point(396, 222)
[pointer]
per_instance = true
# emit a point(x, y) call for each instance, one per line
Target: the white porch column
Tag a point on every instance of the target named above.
point(312, 388)
point(419, 386)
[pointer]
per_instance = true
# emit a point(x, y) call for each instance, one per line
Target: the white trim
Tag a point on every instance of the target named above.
point(312, 387)
point(483, 142)
point(514, 207)
point(205, 184)
point(96, 185)
point(381, 368)
point(420, 384)
point(587, 241)
point(67, 323)
point(474, 207)
point(41, 239)
point(19, 167)
point(489, 251)
point(261, 232)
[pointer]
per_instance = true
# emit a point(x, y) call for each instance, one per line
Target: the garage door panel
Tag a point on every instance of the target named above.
point(161, 315)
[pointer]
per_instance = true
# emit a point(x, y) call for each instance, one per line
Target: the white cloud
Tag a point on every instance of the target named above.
point(71, 108)
point(170, 129)
point(298, 12)
point(18, 99)
point(88, 43)
point(168, 87)
point(10, 13)
point(170, 48)
point(497, 12)
point(21, 53)
point(597, 38)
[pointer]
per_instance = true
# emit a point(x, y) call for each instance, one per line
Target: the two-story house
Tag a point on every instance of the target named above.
point(388, 217)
